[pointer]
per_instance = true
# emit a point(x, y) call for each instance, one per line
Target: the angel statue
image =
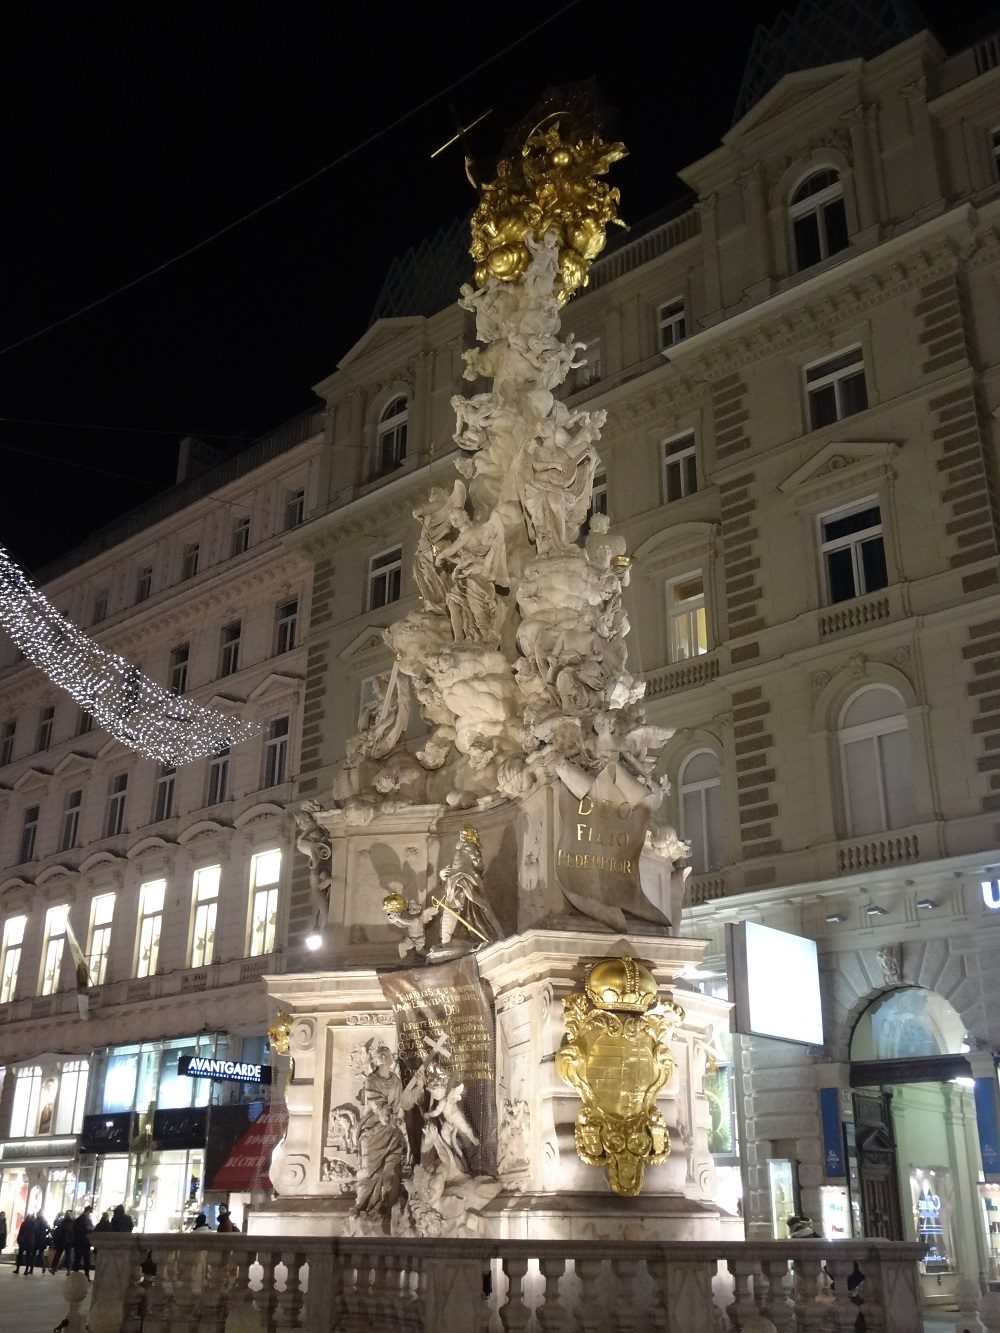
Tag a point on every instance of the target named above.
point(445, 1124)
point(314, 842)
point(478, 556)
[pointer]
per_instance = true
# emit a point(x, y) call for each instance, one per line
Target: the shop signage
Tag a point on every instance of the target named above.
point(444, 1025)
point(31, 1150)
point(774, 982)
point(106, 1133)
point(985, 1093)
point(232, 1071)
point(180, 1129)
point(991, 893)
point(833, 1137)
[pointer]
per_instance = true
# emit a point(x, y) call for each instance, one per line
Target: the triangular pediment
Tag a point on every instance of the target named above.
point(678, 542)
point(224, 702)
point(790, 93)
point(381, 334)
point(369, 641)
point(838, 464)
point(73, 763)
point(274, 683)
point(33, 779)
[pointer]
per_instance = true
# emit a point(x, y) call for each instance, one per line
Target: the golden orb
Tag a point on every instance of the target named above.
point(622, 984)
point(394, 902)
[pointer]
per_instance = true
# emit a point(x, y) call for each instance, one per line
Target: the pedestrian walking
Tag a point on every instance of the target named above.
point(82, 1228)
point(26, 1245)
point(42, 1236)
point(3, 1232)
point(62, 1243)
point(120, 1220)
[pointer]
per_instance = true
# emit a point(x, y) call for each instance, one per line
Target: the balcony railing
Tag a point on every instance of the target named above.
point(267, 1284)
point(694, 671)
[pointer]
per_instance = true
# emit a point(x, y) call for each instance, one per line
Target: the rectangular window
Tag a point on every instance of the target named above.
point(114, 821)
point(163, 801)
point(102, 909)
point(836, 388)
point(46, 719)
point(189, 560)
point(72, 1097)
point(286, 623)
point(218, 778)
point(591, 368)
point(10, 956)
point(852, 547)
point(29, 832)
point(206, 905)
point(265, 872)
point(384, 575)
point(686, 618)
point(7, 733)
point(295, 508)
point(680, 467)
point(85, 723)
point(599, 494)
point(71, 819)
point(151, 896)
point(52, 949)
point(671, 323)
point(144, 583)
point(178, 672)
point(100, 606)
point(276, 752)
point(27, 1094)
point(229, 648)
point(241, 535)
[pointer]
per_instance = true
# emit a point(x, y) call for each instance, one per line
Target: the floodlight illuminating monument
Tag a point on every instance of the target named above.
point(503, 1048)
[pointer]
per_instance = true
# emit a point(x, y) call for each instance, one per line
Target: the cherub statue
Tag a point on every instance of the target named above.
point(315, 843)
point(409, 917)
point(445, 1124)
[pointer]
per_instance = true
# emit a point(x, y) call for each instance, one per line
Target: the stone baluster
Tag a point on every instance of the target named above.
point(212, 1308)
point(810, 1315)
point(778, 1307)
point(134, 1300)
point(288, 1304)
point(357, 1292)
point(591, 1308)
point(390, 1273)
point(989, 1311)
point(552, 1314)
point(266, 1300)
point(624, 1307)
point(514, 1314)
point(158, 1295)
point(76, 1290)
point(743, 1304)
point(845, 1312)
point(421, 1293)
point(185, 1290)
point(242, 1315)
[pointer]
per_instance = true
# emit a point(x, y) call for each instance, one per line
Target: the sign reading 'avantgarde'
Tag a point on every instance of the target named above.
point(232, 1071)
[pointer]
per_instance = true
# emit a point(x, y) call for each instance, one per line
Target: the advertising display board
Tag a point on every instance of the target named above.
point(774, 982)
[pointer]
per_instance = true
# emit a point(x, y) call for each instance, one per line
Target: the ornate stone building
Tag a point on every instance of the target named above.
point(174, 884)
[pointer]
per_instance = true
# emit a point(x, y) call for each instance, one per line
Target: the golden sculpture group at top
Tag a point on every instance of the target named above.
point(551, 187)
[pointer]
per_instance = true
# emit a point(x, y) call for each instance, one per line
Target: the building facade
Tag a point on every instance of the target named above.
point(799, 366)
point(173, 883)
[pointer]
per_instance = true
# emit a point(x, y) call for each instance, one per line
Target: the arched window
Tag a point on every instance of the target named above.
point(876, 763)
point(390, 438)
point(700, 787)
point(819, 222)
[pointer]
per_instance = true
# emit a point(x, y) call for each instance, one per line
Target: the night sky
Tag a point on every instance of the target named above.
point(133, 131)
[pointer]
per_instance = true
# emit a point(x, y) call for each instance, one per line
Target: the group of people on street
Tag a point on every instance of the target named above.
point(67, 1244)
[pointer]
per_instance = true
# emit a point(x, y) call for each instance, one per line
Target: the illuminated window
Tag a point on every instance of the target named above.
point(163, 800)
point(390, 437)
point(241, 535)
point(46, 718)
point(218, 778)
point(178, 671)
point(295, 508)
point(852, 547)
point(819, 222)
point(144, 583)
point(10, 956)
point(114, 820)
point(680, 467)
point(286, 622)
point(27, 1093)
point(876, 762)
point(7, 733)
point(687, 622)
point(53, 946)
point(206, 906)
point(29, 833)
point(700, 787)
point(189, 560)
point(671, 323)
point(72, 1097)
point(102, 909)
point(229, 648)
point(151, 896)
point(276, 752)
point(384, 575)
point(265, 872)
point(71, 819)
point(836, 388)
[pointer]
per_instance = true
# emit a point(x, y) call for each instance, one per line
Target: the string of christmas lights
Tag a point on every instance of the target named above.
point(125, 703)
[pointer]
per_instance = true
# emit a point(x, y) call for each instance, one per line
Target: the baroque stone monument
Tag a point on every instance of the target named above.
point(506, 1015)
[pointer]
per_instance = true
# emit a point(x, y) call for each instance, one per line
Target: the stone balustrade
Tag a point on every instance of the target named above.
point(209, 1283)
